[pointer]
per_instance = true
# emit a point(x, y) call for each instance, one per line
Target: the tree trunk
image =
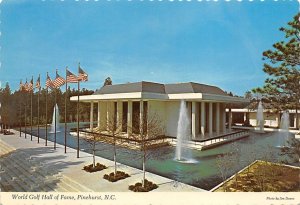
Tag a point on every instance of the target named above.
point(144, 169)
point(94, 161)
point(115, 157)
point(297, 117)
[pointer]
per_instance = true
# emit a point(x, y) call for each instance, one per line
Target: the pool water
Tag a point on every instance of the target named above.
point(202, 172)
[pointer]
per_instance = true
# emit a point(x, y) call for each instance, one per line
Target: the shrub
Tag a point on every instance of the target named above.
point(113, 178)
point(98, 167)
point(138, 187)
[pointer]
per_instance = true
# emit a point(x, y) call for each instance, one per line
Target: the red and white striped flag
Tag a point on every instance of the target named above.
point(30, 86)
point(58, 81)
point(82, 76)
point(49, 82)
point(38, 83)
point(25, 86)
point(71, 78)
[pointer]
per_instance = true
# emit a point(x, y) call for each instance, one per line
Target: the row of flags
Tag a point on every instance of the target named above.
point(57, 82)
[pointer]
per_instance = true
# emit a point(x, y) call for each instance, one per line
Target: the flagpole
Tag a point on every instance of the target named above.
point(31, 93)
point(20, 110)
point(38, 120)
point(46, 113)
point(20, 118)
point(78, 120)
point(55, 116)
point(26, 111)
point(66, 112)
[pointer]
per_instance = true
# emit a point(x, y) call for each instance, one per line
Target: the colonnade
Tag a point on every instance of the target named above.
point(206, 117)
point(115, 109)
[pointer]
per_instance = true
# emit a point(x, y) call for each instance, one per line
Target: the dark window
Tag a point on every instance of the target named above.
point(135, 117)
point(124, 117)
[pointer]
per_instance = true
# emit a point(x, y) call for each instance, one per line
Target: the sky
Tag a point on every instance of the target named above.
point(211, 42)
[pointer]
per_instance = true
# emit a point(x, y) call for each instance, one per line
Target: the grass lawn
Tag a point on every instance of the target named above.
point(264, 176)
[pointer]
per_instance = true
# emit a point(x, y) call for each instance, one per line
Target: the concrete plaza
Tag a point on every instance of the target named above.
point(29, 166)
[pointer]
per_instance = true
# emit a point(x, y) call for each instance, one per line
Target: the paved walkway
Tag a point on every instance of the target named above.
point(29, 166)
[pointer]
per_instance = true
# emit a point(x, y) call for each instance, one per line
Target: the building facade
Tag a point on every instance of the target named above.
point(129, 103)
point(271, 119)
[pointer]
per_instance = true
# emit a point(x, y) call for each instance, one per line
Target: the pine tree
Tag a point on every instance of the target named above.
point(282, 63)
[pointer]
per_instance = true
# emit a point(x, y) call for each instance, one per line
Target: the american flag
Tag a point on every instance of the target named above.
point(30, 86)
point(38, 83)
point(82, 76)
point(49, 82)
point(71, 78)
point(21, 86)
point(25, 86)
point(58, 81)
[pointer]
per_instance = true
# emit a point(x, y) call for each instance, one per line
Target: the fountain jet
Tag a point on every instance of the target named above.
point(283, 134)
point(260, 118)
point(183, 154)
point(52, 130)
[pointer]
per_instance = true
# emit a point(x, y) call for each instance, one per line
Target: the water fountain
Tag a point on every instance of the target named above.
point(183, 154)
point(260, 118)
point(52, 130)
point(283, 133)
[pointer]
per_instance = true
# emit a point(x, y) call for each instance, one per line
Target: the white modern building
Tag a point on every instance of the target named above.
point(206, 106)
point(271, 118)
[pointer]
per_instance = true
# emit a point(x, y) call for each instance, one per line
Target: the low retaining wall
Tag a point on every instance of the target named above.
point(211, 143)
point(224, 142)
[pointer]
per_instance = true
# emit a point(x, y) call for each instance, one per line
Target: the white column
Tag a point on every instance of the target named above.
point(203, 118)
point(195, 120)
point(99, 115)
point(141, 124)
point(210, 119)
point(245, 116)
point(129, 118)
point(218, 118)
point(119, 114)
point(229, 119)
point(277, 123)
point(102, 115)
point(224, 118)
point(92, 116)
point(109, 114)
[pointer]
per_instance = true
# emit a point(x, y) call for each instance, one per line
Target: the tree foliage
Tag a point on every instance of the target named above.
point(281, 89)
point(107, 81)
point(13, 105)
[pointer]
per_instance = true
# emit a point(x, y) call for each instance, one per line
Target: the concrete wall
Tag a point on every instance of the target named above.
point(172, 116)
point(272, 119)
point(157, 109)
point(103, 115)
point(269, 118)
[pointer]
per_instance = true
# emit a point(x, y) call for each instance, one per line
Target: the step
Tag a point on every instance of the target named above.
point(22, 174)
point(75, 184)
point(53, 184)
point(5, 186)
point(67, 187)
point(13, 183)
point(5, 150)
point(20, 178)
point(29, 167)
point(12, 180)
point(5, 145)
point(60, 189)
